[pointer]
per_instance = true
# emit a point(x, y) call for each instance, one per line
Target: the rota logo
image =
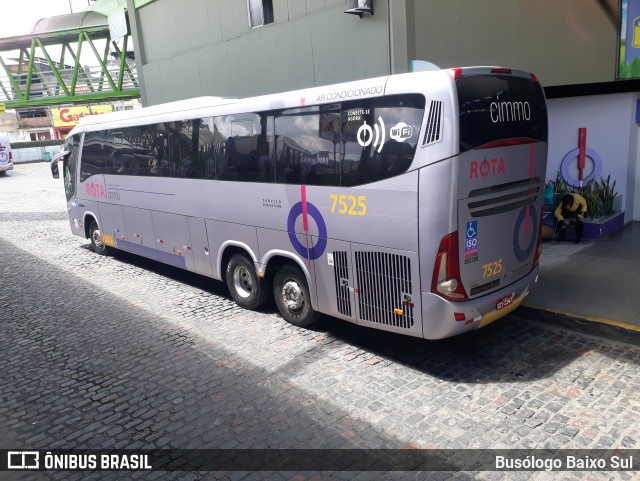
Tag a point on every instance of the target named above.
point(486, 167)
point(95, 190)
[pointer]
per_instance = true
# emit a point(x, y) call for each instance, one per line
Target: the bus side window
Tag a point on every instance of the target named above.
point(307, 145)
point(145, 159)
point(196, 159)
point(92, 160)
point(243, 146)
point(121, 152)
point(380, 137)
point(207, 148)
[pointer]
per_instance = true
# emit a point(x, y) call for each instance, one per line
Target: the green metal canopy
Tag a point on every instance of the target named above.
point(67, 59)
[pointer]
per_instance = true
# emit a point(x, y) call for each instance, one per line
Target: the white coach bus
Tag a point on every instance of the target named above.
point(409, 203)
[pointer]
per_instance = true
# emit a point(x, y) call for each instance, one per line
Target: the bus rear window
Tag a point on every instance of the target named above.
point(499, 107)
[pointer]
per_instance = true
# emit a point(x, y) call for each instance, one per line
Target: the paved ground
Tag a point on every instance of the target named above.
point(596, 280)
point(120, 352)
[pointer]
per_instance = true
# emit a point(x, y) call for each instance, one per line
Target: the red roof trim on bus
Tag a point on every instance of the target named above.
point(507, 143)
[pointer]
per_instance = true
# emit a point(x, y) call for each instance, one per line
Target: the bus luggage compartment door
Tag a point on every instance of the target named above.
point(141, 236)
point(335, 282)
point(387, 289)
point(112, 226)
point(173, 240)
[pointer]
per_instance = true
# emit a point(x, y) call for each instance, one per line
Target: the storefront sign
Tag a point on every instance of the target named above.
point(70, 116)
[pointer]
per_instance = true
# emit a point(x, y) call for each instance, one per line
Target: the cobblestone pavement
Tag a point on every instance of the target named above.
point(121, 352)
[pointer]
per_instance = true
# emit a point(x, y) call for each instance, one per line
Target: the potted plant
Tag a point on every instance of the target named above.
point(607, 195)
point(600, 196)
point(602, 221)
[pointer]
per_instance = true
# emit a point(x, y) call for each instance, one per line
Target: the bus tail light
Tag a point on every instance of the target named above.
point(446, 273)
point(536, 257)
point(10, 156)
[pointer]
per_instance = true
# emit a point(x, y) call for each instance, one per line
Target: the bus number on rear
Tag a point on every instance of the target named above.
point(492, 269)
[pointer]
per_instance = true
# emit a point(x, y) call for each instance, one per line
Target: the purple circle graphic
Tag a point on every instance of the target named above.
point(523, 254)
point(312, 211)
point(564, 166)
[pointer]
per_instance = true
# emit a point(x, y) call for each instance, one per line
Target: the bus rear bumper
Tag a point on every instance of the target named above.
point(442, 318)
point(5, 167)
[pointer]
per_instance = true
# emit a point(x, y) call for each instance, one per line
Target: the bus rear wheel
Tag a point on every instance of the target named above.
point(292, 297)
point(244, 284)
point(96, 240)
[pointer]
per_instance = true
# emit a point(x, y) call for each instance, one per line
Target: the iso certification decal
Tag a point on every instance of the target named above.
point(471, 242)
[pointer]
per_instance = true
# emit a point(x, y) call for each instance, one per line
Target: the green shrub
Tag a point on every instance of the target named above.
point(599, 195)
point(590, 192)
point(36, 143)
point(607, 195)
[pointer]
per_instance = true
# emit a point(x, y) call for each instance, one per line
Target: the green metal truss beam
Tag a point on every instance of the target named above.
point(77, 99)
point(38, 80)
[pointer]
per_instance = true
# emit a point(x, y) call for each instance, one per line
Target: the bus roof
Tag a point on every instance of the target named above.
point(154, 111)
point(426, 81)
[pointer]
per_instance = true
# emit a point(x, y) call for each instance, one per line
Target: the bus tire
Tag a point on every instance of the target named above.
point(243, 282)
point(95, 236)
point(292, 297)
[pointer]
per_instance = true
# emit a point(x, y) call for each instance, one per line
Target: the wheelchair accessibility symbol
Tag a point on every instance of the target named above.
point(471, 230)
point(471, 238)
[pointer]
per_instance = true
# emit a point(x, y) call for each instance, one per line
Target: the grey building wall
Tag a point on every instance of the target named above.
point(190, 48)
point(561, 41)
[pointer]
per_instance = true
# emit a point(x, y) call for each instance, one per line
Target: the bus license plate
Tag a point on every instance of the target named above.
point(505, 301)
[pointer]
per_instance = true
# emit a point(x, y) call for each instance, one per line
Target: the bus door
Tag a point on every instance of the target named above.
point(69, 157)
point(501, 174)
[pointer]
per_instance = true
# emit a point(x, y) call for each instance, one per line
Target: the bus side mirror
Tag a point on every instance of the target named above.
point(54, 169)
point(54, 163)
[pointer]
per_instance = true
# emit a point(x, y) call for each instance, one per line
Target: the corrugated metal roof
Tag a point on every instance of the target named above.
point(62, 28)
point(72, 21)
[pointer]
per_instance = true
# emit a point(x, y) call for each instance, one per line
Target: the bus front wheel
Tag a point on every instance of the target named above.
point(96, 240)
point(244, 284)
point(292, 297)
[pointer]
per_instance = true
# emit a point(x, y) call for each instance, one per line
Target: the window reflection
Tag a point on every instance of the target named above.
point(348, 143)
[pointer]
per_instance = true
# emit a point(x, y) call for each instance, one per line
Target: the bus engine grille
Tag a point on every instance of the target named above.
point(384, 288)
point(341, 273)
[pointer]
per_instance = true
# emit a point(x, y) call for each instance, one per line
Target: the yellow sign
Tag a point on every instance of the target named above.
point(70, 116)
point(3, 108)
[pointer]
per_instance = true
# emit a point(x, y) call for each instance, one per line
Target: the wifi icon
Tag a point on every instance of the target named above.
point(365, 135)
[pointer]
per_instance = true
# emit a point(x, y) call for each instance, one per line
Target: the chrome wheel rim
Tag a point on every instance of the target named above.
point(292, 295)
point(96, 238)
point(242, 282)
